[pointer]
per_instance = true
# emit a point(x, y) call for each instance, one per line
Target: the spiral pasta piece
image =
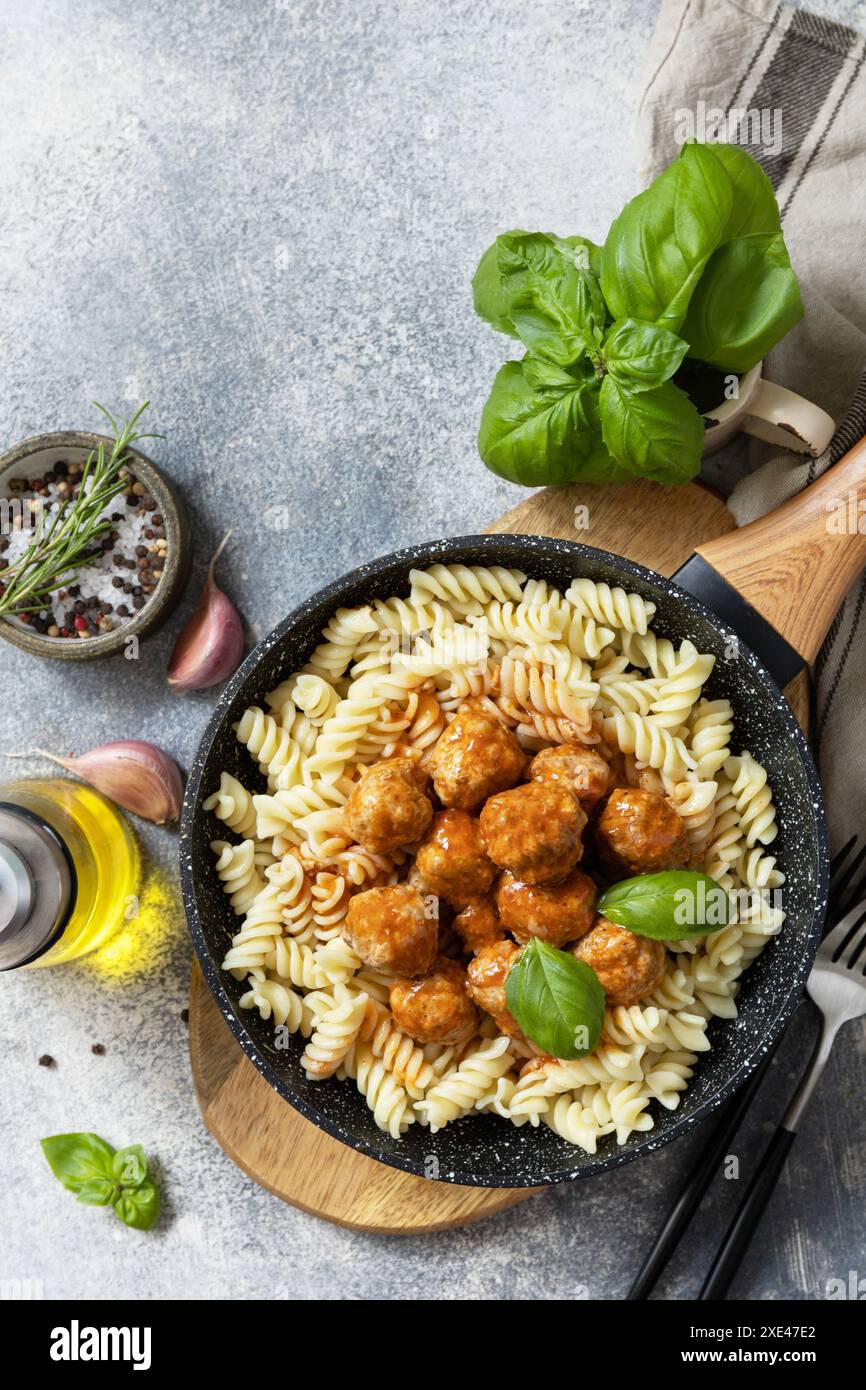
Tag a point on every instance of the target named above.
point(334, 1034)
point(254, 943)
point(341, 734)
point(652, 745)
point(524, 624)
point(400, 1054)
point(279, 813)
point(343, 634)
point(315, 697)
point(466, 588)
point(496, 1100)
point(275, 1000)
point(679, 691)
point(614, 607)
point(669, 1077)
point(389, 1102)
point(237, 872)
point(628, 1101)
point(330, 903)
point(278, 755)
point(337, 960)
point(626, 694)
point(576, 1122)
point(754, 800)
point(647, 649)
point(755, 869)
point(232, 803)
point(294, 896)
point(458, 1091)
point(710, 728)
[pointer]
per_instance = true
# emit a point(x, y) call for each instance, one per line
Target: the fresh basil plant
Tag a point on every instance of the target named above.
point(556, 999)
point(695, 267)
point(669, 906)
point(102, 1176)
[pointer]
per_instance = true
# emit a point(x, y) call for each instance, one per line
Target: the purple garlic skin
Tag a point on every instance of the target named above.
point(211, 644)
point(135, 775)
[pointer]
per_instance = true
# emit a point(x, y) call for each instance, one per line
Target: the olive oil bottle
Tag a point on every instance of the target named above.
point(69, 871)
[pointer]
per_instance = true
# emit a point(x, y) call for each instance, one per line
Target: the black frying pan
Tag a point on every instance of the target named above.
point(783, 623)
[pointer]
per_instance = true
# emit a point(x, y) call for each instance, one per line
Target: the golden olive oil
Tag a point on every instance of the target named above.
point(73, 860)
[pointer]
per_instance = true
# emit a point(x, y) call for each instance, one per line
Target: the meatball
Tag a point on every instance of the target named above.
point(391, 930)
point(639, 832)
point(535, 831)
point(451, 860)
point(479, 925)
point(475, 757)
point(485, 980)
point(435, 1008)
point(628, 967)
point(583, 771)
point(554, 912)
point(387, 807)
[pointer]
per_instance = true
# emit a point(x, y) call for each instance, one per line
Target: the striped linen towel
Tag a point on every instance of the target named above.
point(792, 90)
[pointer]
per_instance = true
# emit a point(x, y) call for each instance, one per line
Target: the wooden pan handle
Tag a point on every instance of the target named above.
point(796, 564)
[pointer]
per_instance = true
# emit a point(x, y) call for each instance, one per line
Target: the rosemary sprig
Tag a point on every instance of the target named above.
point(60, 545)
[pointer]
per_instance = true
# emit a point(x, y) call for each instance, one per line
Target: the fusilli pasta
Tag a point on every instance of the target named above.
point(580, 666)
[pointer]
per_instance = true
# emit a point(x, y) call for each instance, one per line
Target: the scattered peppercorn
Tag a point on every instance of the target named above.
point(46, 1060)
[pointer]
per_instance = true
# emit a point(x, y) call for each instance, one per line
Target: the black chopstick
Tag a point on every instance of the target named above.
point(696, 1184)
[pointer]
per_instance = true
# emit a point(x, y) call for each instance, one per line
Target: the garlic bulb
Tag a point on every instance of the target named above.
point(211, 645)
point(135, 775)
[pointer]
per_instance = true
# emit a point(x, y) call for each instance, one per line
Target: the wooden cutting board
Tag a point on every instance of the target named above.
point(278, 1148)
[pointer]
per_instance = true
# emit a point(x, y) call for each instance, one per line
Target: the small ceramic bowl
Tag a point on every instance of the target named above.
point(35, 456)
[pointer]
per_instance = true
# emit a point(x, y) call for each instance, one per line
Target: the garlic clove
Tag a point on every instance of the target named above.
point(211, 644)
point(135, 775)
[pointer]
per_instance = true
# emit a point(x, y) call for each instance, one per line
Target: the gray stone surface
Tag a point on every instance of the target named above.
point(264, 217)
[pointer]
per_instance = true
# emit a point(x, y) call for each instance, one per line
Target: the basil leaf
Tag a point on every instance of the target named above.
point(130, 1165)
point(540, 371)
point(654, 434)
point(642, 355)
point(669, 906)
point(488, 293)
point(138, 1207)
point(538, 435)
point(561, 319)
point(753, 208)
point(76, 1158)
point(554, 298)
point(556, 999)
point(552, 280)
point(525, 258)
point(656, 250)
point(747, 300)
point(98, 1192)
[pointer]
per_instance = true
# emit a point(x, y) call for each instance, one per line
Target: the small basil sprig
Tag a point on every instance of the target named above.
point(556, 999)
point(669, 906)
point(101, 1176)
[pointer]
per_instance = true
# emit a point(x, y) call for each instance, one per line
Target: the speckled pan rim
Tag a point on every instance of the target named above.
point(451, 551)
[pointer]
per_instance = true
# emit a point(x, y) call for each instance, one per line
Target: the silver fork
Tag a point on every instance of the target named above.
point(837, 985)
